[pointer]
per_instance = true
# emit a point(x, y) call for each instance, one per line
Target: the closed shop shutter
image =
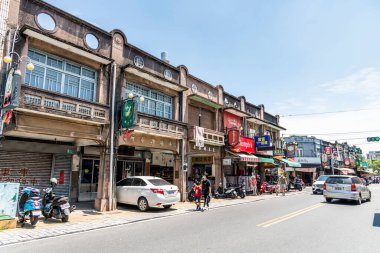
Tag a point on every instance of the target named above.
point(62, 172)
point(28, 169)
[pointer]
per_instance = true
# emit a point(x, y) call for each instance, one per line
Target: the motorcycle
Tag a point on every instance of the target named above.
point(241, 192)
point(29, 206)
point(56, 207)
point(267, 188)
point(295, 185)
point(219, 193)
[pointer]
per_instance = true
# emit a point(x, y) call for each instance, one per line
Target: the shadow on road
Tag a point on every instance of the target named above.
point(376, 220)
point(135, 209)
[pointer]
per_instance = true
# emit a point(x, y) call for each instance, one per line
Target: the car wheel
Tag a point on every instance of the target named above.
point(143, 204)
point(369, 197)
point(359, 201)
point(328, 200)
point(167, 206)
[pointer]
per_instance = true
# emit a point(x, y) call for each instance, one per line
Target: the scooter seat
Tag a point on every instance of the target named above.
point(35, 198)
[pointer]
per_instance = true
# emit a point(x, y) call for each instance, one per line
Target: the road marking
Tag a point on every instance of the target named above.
point(289, 216)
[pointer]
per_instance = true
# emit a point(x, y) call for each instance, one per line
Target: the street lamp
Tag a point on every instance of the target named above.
point(9, 58)
point(132, 96)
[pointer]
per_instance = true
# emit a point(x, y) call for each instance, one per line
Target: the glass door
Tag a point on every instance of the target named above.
point(88, 179)
point(129, 168)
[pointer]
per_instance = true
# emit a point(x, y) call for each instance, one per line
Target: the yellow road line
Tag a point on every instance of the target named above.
point(289, 216)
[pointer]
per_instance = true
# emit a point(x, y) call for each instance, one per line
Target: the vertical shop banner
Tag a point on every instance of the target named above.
point(262, 141)
point(231, 121)
point(328, 151)
point(246, 145)
point(199, 137)
point(12, 89)
point(128, 114)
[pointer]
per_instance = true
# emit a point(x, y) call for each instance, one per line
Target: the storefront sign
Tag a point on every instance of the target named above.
point(233, 137)
point(231, 121)
point(12, 89)
point(328, 151)
point(128, 114)
point(324, 158)
point(202, 160)
point(308, 160)
point(290, 150)
point(262, 141)
point(246, 145)
point(227, 162)
point(163, 159)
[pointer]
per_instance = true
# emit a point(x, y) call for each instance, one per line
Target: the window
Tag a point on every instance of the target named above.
point(138, 182)
point(155, 103)
point(125, 182)
point(338, 180)
point(59, 75)
point(299, 152)
point(158, 182)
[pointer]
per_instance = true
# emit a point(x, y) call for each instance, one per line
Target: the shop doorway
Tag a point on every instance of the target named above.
point(127, 168)
point(89, 179)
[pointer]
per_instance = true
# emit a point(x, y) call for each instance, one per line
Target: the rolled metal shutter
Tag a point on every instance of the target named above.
point(62, 172)
point(28, 169)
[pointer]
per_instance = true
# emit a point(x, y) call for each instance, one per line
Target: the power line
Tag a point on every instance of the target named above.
point(320, 113)
point(359, 132)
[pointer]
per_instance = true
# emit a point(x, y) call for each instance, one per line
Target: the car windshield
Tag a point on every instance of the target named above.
point(322, 178)
point(158, 182)
point(338, 180)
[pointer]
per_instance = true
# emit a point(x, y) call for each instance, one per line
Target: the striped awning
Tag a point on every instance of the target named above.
point(291, 163)
point(248, 158)
point(310, 170)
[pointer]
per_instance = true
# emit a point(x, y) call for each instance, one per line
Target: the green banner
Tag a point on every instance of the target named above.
point(128, 114)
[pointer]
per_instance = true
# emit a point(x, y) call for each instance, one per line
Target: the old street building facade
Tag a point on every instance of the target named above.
point(64, 116)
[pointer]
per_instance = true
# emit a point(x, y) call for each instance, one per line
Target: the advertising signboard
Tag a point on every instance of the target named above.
point(246, 145)
point(8, 199)
point(262, 141)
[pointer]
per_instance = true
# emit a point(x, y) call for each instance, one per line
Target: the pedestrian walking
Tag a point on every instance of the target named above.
point(282, 183)
point(254, 184)
point(197, 195)
point(206, 191)
point(258, 180)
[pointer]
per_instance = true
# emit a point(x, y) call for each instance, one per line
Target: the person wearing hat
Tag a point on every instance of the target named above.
point(206, 191)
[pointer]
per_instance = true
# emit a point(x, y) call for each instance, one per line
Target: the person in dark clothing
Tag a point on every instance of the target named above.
point(206, 192)
point(258, 179)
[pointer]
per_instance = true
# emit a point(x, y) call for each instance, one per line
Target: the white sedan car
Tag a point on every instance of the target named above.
point(146, 191)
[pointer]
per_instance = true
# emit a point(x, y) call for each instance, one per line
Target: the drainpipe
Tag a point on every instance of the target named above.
point(110, 188)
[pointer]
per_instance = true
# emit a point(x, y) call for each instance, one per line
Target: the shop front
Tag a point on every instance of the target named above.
point(142, 154)
point(32, 164)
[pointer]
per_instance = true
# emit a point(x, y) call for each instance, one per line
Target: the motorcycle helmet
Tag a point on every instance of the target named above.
point(53, 182)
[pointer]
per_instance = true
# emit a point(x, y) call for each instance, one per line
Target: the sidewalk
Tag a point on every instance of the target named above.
point(86, 218)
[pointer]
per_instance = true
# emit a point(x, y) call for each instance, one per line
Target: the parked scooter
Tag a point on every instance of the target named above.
point(296, 184)
point(241, 192)
point(267, 188)
point(219, 193)
point(29, 206)
point(56, 207)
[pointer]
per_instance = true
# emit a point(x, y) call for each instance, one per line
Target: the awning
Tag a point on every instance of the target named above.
point(291, 163)
point(310, 170)
point(248, 158)
point(266, 160)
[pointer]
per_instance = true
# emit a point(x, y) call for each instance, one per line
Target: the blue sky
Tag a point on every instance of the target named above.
point(293, 56)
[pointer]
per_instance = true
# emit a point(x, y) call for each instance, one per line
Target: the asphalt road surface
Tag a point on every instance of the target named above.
point(300, 223)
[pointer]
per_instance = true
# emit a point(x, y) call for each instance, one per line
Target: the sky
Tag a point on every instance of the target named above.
point(293, 56)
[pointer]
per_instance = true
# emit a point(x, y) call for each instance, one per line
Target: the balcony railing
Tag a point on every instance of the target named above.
point(211, 137)
point(160, 126)
point(45, 101)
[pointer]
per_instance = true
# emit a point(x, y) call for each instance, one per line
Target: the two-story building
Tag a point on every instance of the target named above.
point(59, 126)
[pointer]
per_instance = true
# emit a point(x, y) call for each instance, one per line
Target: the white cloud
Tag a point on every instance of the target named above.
point(364, 82)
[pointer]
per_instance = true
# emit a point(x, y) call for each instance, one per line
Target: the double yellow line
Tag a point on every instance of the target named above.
point(289, 216)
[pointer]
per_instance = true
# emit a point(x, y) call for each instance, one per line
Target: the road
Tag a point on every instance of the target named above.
point(300, 223)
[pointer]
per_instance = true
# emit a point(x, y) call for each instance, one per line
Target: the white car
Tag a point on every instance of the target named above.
point(146, 191)
point(317, 186)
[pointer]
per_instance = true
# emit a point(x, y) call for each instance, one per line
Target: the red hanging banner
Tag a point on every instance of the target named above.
point(246, 145)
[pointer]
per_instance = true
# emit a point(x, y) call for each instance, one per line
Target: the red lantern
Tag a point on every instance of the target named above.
point(233, 137)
